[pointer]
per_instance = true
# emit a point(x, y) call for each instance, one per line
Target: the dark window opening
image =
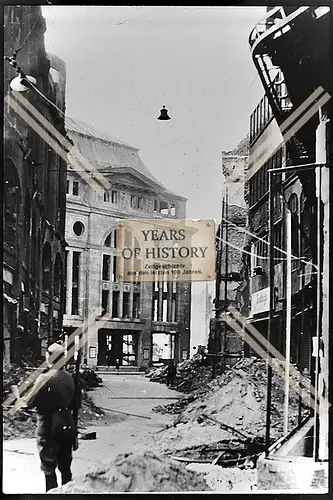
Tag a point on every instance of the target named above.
point(115, 304)
point(114, 196)
point(67, 187)
point(136, 305)
point(106, 267)
point(75, 188)
point(106, 196)
point(126, 299)
point(105, 301)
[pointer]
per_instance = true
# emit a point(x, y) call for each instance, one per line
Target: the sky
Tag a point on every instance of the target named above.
point(124, 63)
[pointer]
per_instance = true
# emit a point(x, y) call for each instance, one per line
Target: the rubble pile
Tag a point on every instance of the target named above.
point(228, 479)
point(191, 374)
point(236, 398)
point(137, 472)
point(24, 422)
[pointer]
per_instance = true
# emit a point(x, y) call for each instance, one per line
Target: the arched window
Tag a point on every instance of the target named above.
point(111, 240)
point(293, 207)
point(11, 202)
point(46, 267)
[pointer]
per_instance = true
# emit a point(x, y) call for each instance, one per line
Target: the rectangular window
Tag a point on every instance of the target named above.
point(115, 304)
point(174, 287)
point(106, 196)
point(105, 301)
point(136, 305)
point(173, 310)
point(67, 187)
point(114, 269)
point(165, 286)
point(133, 201)
point(75, 282)
point(165, 310)
point(155, 310)
point(140, 203)
point(164, 208)
point(156, 206)
point(114, 196)
point(106, 267)
point(76, 267)
point(75, 188)
point(126, 300)
point(155, 286)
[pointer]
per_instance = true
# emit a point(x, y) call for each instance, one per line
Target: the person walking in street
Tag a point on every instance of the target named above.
point(171, 374)
point(117, 365)
point(56, 397)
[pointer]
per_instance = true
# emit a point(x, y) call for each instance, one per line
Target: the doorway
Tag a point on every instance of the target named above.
point(163, 347)
point(117, 344)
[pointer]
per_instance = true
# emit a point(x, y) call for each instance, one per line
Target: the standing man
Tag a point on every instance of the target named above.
point(55, 398)
point(171, 373)
point(117, 365)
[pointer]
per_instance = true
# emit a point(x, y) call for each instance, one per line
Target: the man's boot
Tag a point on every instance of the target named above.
point(51, 481)
point(66, 476)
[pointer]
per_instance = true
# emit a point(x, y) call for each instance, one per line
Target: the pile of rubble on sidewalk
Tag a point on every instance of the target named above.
point(23, 422)
point(236, 399)
point(192, 374)
point(137, 472)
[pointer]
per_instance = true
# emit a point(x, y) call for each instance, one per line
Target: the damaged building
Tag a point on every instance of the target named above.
point(288, 196)
point(34, 190)
point(140, 322)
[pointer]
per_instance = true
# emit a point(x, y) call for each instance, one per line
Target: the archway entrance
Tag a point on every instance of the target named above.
point(117, 344)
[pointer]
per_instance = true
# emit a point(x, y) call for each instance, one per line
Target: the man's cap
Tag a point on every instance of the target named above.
point(55, 348)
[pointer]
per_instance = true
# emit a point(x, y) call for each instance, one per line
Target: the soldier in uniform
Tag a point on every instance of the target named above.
point(55, 398)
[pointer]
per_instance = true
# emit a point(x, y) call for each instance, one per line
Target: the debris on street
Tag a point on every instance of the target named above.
point(137, 472)
point(232, 403)
point(24, 422)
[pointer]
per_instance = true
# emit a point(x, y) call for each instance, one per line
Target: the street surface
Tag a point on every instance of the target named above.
point(117, 433)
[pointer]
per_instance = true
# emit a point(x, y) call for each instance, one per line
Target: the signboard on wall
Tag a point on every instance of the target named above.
point(260, 301)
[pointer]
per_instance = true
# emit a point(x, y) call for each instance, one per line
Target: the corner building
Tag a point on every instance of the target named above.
point(135, 316)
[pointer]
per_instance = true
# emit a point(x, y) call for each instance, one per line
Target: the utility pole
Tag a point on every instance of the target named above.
point(226, 274)
point(288, 324)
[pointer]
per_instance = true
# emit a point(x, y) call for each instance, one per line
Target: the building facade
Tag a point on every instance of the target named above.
point(34, 193)
point(231, 238)
point(140, 322)
point(293, 122)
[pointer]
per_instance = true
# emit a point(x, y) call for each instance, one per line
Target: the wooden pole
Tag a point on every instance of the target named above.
point(270, 316)
point(288, 324)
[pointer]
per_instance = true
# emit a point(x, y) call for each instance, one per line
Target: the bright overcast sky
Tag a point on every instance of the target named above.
point(124, 63)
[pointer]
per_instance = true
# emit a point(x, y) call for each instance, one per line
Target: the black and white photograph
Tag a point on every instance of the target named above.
point(167, 222)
